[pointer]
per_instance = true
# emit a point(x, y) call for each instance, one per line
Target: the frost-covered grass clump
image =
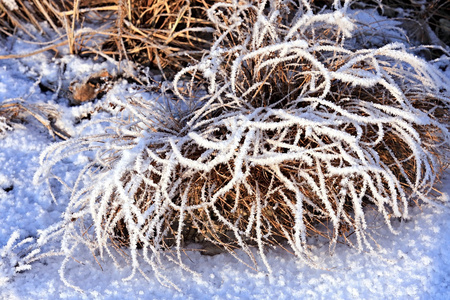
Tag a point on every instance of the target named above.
point(294, 129)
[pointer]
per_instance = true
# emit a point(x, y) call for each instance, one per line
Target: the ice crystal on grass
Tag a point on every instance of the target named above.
point(297, 130)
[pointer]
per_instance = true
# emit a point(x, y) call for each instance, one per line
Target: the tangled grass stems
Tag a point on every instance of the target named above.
point(157, 33)
point(161, 33)
point(16, 14)
point(295, 130)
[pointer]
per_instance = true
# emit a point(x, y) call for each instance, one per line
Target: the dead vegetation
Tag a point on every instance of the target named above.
point(14, 111)
point(282, 131)
point(168, 35)
point(160, 34)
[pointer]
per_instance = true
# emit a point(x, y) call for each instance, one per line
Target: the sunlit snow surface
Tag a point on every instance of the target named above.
point(413, 265)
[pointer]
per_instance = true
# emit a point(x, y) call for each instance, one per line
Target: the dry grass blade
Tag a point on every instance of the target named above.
point(14, 110)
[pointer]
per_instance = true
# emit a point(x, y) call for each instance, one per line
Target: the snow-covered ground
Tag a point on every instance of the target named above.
point(412, 265)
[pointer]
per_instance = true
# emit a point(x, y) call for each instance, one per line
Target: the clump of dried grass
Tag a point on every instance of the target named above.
point(322, 124)
point(294, 130)
point(157, 33)
point(160, 33)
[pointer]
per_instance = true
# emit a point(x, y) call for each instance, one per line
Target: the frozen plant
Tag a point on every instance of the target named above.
point(320, 129)
point(297, 130)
